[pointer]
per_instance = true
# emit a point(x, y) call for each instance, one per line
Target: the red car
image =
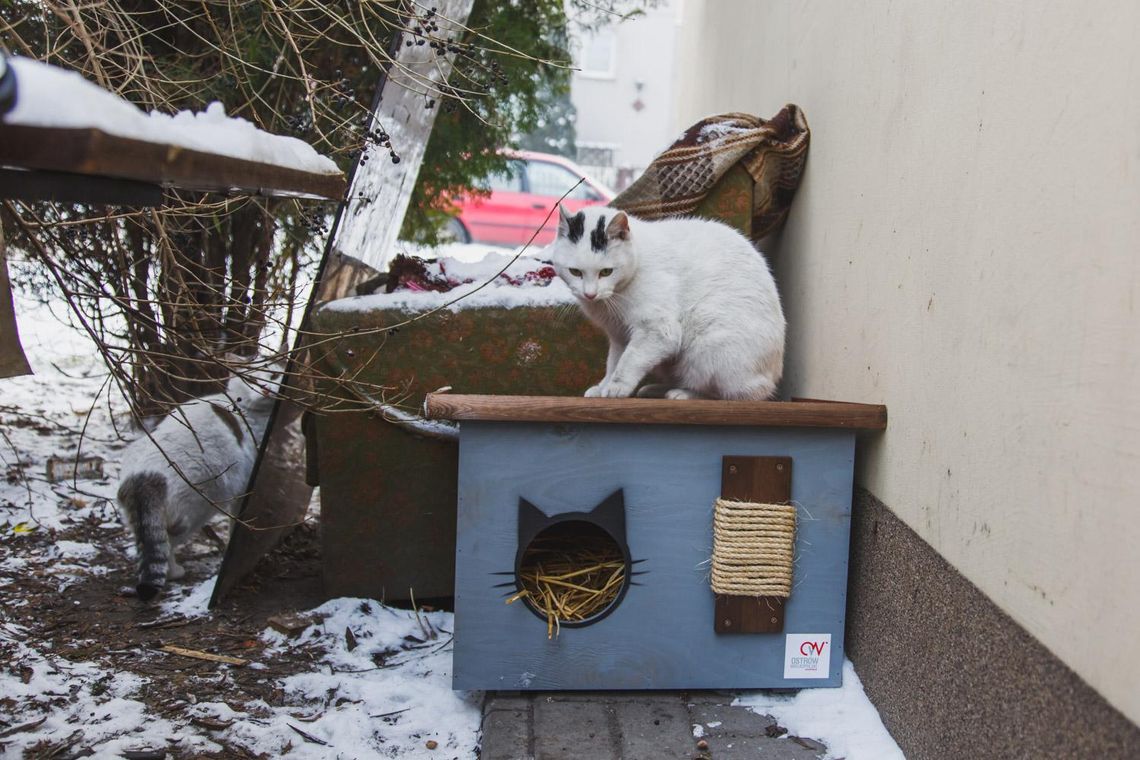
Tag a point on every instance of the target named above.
point(519, 202)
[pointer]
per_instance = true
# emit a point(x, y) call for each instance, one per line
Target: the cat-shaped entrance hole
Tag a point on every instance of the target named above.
point(575, 567)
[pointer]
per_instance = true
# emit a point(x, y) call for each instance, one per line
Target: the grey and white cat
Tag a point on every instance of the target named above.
point(213, 442)
point(687, 302)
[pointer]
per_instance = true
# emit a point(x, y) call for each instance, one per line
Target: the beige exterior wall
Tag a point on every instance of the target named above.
point(965, 248)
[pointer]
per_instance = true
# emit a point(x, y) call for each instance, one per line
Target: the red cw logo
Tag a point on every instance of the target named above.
point(811, 647)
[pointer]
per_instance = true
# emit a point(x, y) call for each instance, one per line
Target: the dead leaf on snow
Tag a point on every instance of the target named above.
point(212, 724)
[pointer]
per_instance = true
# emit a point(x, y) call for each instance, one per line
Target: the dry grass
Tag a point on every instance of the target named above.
point(569, 575)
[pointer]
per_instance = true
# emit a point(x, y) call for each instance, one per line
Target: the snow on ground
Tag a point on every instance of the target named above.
point(44, 415)
point(388, 695)
point(376, 674)
point(466, 252)
point(384, 691)
point(386, 671)
point(48, 96)
point(69, 696)
point(843, 719)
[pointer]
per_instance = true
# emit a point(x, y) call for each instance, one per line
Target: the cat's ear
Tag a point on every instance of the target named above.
point(571, 227)
point(563, 221)
point(618, 228)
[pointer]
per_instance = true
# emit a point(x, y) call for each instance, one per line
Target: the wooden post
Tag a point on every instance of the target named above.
point(758, 479)
point(12, 359)
point(381, 189)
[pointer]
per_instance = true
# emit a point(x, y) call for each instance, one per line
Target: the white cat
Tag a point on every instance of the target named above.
point(687, 301)
point(213, 443)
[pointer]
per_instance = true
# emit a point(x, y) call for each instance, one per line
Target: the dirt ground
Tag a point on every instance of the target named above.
point(96, 618)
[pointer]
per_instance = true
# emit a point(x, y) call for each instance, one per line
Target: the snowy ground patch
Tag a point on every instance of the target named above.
point(388, 671)
point(188, 601)
point(107, 687)
point(383, 691)
point(58, 699)
point(844, 719)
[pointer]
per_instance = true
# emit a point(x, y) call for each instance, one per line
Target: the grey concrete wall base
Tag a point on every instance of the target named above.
point(952, 675)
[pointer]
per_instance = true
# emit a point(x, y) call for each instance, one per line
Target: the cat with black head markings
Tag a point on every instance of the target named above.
point(686, 302)
point(194, 464)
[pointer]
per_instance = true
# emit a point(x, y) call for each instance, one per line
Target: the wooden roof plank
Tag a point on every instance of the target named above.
point(817, 414)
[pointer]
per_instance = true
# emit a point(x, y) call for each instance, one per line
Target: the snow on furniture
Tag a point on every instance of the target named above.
point(61, 123)
point(670, 461)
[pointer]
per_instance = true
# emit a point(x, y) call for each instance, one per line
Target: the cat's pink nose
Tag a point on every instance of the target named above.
point(591, 296)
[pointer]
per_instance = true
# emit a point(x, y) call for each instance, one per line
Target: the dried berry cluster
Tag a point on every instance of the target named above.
point(423, 30)
point(315, 222)
point(377, 138)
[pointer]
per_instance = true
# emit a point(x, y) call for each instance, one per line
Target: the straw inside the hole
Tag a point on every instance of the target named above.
point(570, 574)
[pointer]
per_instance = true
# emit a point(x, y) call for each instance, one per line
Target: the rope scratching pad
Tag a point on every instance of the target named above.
point(753, 547)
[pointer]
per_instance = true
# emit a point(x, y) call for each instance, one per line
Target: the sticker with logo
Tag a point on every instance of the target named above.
point(807, 655)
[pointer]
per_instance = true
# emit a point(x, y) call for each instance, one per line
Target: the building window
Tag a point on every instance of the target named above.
point(600, 161)
point(597, 57)
point(595, 155)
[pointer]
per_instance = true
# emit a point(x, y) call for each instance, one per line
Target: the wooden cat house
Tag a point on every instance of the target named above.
point(751, 499)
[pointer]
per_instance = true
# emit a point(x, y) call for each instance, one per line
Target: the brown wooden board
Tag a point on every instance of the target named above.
point(760, 479)
point(94, 152)
point(656, 411)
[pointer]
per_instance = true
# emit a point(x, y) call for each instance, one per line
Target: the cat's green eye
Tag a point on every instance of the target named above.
point(605, 273)
point(576, 272)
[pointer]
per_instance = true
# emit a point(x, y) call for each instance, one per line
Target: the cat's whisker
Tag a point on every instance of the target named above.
point(563, 312)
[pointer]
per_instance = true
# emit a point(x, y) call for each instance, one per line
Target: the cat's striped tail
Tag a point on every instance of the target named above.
point(143, 499)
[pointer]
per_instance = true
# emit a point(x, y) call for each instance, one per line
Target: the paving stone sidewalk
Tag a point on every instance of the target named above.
point(633, 726)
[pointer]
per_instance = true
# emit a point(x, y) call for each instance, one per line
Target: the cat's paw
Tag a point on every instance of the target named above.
point(681, 393)
point(617, 390)
point(594, 391)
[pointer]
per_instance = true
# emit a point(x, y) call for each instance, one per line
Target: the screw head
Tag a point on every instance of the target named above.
point(780, 467)
point(774, 621)
point(727, 623)
point(732, 469)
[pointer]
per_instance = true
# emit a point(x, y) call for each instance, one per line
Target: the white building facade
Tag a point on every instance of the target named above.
point(624, 93)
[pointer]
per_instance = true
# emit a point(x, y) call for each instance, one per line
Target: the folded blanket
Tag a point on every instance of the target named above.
point(773, 152)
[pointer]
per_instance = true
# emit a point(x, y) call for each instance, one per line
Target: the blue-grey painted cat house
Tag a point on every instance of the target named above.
point(662, 460)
